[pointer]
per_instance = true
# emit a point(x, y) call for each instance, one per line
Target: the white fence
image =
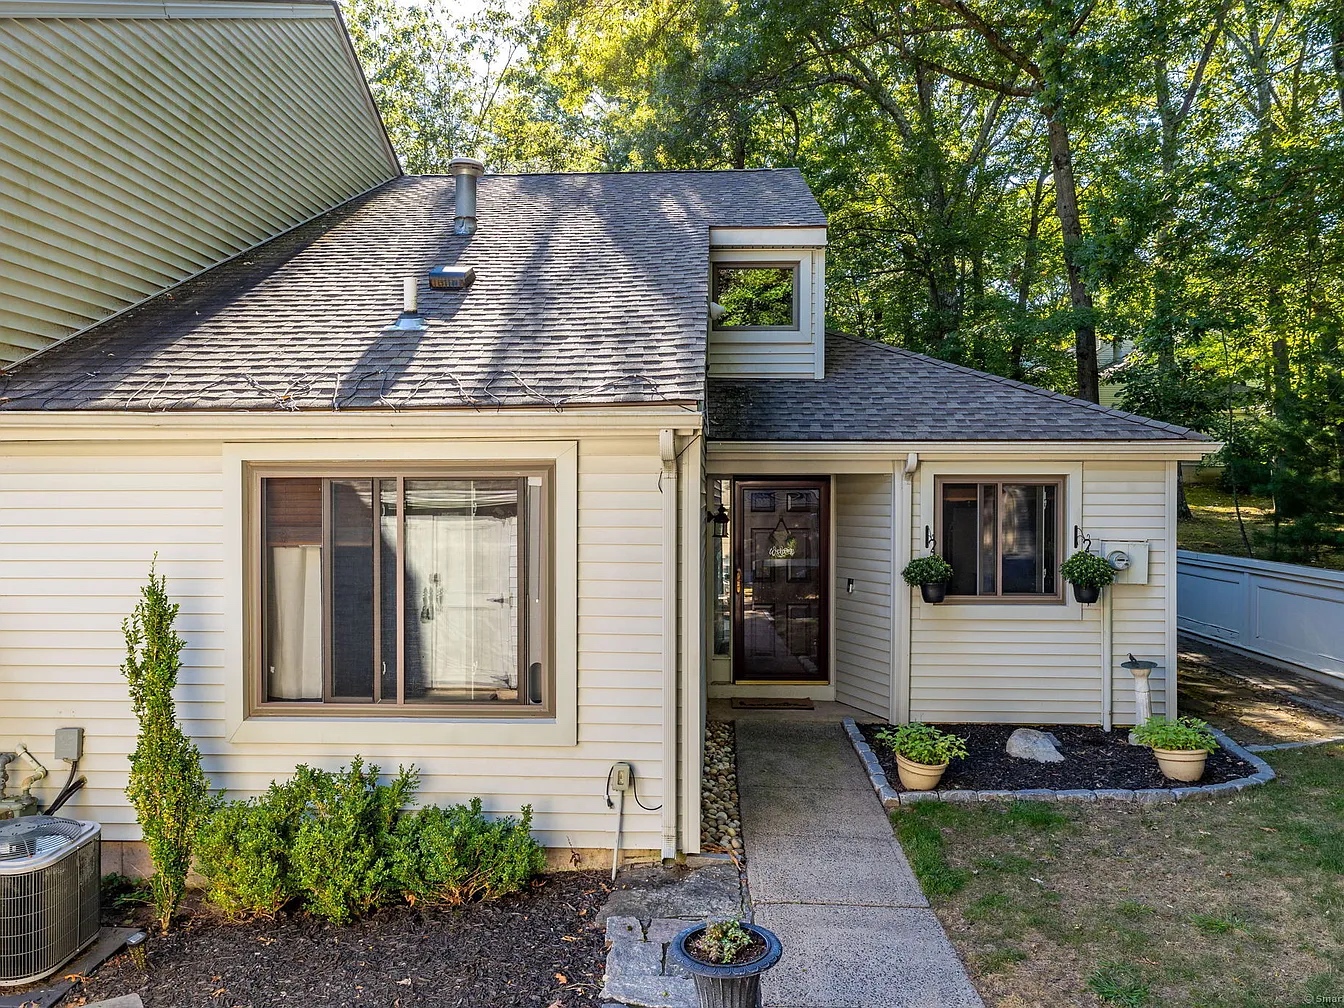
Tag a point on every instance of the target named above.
point(1283, 611)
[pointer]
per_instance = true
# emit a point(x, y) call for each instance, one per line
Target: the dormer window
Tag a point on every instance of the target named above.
point(756, 295)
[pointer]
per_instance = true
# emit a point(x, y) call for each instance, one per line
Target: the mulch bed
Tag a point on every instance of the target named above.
point(1092, 759)
point(543, 948)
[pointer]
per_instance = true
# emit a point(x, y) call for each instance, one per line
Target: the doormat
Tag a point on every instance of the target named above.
point(772, 703)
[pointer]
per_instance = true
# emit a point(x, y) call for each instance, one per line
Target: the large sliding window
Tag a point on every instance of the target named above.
point(1001, 538)
point(402, 591)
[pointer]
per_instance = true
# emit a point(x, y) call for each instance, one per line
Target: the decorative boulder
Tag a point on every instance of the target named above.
point(1028, 743)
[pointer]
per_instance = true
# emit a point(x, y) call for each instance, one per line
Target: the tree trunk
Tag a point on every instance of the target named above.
point(1070, 223)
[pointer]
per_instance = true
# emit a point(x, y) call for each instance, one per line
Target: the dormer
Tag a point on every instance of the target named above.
point(767, 302)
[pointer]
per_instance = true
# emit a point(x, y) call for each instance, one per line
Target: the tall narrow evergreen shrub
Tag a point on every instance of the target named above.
point(167, 787)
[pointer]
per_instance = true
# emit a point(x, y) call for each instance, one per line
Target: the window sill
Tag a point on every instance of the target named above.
point(314, 729)
point(950, 610)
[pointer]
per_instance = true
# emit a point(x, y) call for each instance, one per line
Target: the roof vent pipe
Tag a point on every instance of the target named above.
point(465, 172)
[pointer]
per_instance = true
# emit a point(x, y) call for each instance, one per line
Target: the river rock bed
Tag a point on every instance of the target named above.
point(720, 818)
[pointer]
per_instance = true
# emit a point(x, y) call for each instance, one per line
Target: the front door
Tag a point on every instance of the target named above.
point(781, 580)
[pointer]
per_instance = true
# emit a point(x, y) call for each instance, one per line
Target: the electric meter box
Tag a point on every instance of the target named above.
point(1130, 560)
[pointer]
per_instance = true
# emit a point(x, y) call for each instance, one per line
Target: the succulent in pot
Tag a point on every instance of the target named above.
point(1088, 573)
point(931, 574)
point(1181, 746)
point(922, 752)
point(726, 958)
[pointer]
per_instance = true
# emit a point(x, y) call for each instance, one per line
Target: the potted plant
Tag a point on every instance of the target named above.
point(922, 753)
point(1181, 746)
point(1088, 573)
point(726, 959)
point(931, 574)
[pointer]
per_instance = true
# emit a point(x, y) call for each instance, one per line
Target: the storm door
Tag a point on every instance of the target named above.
point(780, 533)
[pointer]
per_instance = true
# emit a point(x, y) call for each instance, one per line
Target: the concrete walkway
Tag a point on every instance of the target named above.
point(826, 874)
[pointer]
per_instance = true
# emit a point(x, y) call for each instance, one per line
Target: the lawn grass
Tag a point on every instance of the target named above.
point(1230, 903)
point(1213, 527)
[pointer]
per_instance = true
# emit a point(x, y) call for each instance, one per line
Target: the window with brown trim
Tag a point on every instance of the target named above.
point(413, 591)
point(1001, 537)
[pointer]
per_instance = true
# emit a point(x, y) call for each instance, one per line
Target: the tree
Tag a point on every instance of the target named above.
point(167, 787)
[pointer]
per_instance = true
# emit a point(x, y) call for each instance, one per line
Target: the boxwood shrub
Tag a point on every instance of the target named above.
point(340, 844)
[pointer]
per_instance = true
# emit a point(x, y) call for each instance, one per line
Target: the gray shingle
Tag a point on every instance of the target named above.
point(876, 392)
point(590, 289)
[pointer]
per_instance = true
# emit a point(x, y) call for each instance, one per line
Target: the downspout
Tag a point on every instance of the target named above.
point(901, 645)
point(1107, 659)
point(693, 630)
point(667, 484)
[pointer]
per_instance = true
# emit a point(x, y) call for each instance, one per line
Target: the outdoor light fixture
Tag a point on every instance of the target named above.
point(720, 520)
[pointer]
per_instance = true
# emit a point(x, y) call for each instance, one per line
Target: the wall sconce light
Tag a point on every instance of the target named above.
point(719, 519)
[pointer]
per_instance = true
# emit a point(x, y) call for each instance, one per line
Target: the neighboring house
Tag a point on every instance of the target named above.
point(473, 535)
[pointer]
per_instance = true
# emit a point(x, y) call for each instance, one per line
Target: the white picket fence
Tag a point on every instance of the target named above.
point(1285, 612)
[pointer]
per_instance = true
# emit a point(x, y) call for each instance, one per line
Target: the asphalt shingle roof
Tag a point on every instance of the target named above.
point(590, 289)
point(876, 392)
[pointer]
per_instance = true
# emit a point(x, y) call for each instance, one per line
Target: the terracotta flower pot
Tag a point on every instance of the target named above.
point(1181, 764)
point(918, 776)
point(933, 591)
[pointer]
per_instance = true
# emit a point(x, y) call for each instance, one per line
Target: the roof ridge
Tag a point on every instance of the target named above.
point(636, 171)
point(1036, 389)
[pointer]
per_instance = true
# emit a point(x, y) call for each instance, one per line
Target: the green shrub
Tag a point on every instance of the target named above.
point(243, 852)
point(341, 848)
point(1087, 570)
point(922, 743)
point(1183, 733)
point(340, 844)
point(166, 787)
point(931, 569)
point(456, 854)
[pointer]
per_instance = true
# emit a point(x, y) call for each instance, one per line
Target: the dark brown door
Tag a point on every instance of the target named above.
point(781, 580)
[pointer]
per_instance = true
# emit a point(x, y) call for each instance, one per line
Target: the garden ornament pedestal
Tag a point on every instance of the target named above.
point(1143, 696)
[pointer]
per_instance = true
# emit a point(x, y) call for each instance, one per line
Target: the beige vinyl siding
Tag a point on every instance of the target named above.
point(79, 524)
point(863, 618)
point(136, 151)
point(1126, 502)
point(1007, 664)
point(783, 353)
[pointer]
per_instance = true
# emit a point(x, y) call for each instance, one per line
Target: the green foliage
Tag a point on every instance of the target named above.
point(1087, 570)
point(931, 569)
point(755, 296)
point(243, 851)
point(922, 839)
point(340, 855)
point(340, 845)
point(922, 743)
point(721, 942)
point(1183, 733)
point(167, 787)
point(1119, 984)
point(456, 854)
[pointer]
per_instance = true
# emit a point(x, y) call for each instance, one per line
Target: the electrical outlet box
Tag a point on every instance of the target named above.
point(621, 777)
point(69, 743)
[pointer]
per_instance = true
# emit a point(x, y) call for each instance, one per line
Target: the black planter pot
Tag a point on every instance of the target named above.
point(726, 986)
point(1086, 594)
point(934, 592)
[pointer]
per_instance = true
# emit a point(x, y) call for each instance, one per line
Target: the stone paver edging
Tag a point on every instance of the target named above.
point(891, 798)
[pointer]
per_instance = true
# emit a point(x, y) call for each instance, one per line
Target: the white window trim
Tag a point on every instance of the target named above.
point(926, 514)
point(314, 729)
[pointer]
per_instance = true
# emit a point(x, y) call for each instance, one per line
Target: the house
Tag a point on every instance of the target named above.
point(436, 476)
